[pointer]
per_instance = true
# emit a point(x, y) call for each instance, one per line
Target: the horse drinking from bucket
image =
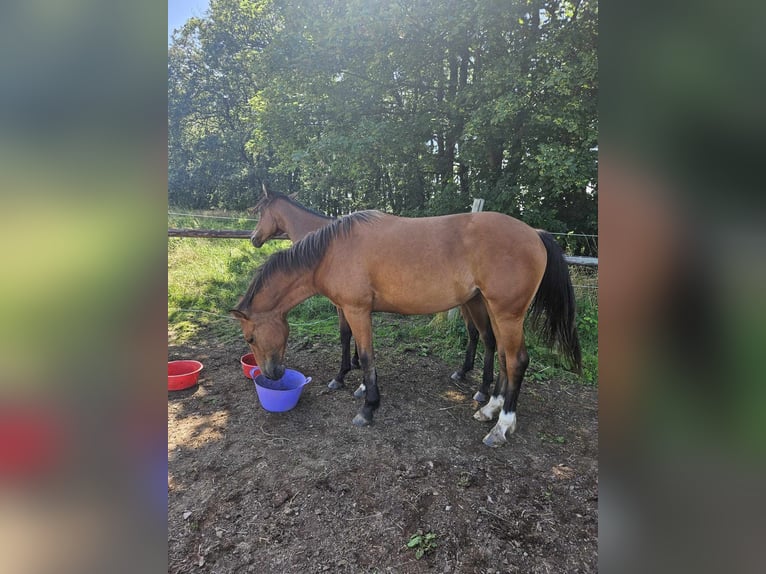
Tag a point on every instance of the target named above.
point(369, 261)
point(279, 213)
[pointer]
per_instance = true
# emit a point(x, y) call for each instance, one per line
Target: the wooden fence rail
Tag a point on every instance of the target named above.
point(584, 261)
point(244, 234)
point(215, 233)
point(220, 233)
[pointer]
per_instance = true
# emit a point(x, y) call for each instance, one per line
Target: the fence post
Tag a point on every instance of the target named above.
point(478, 205)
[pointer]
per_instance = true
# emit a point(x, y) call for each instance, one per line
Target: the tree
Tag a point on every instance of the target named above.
point(414, 106)
point(212, 76)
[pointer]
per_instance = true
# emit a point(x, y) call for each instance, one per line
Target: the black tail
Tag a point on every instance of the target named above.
point(553, 309)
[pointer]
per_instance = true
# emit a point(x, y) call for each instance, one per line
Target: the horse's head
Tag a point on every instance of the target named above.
point(266, 334)
point(268, 226)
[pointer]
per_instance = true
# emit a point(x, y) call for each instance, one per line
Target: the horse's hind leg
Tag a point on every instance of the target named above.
point(345, 349)
point(516, 361)
point(495, 403)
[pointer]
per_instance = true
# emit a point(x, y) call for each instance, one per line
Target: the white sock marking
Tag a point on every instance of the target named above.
point(507, 422)
point(490, 409)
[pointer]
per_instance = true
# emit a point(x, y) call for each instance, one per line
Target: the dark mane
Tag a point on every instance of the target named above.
point(267, 200)
point(305, 254)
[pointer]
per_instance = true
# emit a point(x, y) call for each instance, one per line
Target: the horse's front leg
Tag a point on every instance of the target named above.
point(345, 363)
point(361, 325)
point(345, 350)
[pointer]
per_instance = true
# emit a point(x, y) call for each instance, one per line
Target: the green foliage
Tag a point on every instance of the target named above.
point(465, 480)
point(422, 543)
point(558, 439)
point(315, 318)
point(411, 107)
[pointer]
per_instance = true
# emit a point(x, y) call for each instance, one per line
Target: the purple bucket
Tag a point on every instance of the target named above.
point(280, 395)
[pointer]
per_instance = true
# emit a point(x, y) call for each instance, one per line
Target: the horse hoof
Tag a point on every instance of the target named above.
point(360, 421)
point(494, 440)
point(480, 397)
point(457, 376)
point(334, 385)
point(360, 391)
point(481, 417)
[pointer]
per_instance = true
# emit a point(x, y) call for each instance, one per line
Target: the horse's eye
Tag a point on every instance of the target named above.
point(250, 340)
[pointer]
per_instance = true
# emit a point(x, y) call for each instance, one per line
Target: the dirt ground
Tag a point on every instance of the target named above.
point(306, 491)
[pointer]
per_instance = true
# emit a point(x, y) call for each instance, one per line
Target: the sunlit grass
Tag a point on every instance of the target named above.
point(206, 278)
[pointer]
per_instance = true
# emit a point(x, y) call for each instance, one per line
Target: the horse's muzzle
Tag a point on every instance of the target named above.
point(273, 371)
point(255, 241)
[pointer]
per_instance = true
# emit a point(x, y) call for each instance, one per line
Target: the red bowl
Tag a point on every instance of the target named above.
point(248, 362)
point(183, 374)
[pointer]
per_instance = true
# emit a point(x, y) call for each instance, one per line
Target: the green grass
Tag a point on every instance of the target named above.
point(206, 278)
point(210, 219)
point(545, 363)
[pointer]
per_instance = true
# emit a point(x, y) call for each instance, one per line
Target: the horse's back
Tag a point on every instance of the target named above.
point(449, 239)
point(425, 265)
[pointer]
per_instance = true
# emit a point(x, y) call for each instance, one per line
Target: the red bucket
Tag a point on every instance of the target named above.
point(248, 362)
point(183, 374)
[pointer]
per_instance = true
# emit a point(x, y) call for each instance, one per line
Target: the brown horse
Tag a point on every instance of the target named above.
point(369, 261)
point(281, 214)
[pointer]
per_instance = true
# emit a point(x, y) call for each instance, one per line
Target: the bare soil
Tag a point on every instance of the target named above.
point(306, 491)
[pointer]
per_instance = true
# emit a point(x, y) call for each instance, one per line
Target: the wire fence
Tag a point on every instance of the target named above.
point(581, 248)
point(206, 216)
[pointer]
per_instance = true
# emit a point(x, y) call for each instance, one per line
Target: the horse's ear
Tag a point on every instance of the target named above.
point(294, 195)
point(237, 314)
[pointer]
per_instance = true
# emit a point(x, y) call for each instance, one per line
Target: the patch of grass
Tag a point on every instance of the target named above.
point(182, 331)
point(210, 219)
point(422, 543)
point(465, 480)
point(206, 278)
point(558, 439)
point(314, 318)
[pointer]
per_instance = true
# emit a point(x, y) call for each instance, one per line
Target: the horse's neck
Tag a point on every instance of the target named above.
point(285, 292)
point(298, 222)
